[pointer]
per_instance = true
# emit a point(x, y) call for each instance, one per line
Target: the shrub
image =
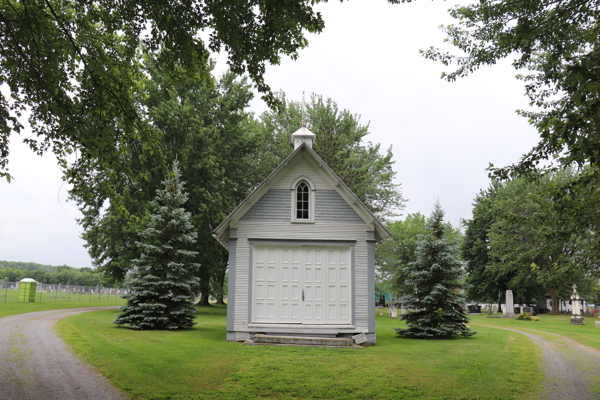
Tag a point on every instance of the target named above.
point(525, 317)
point(535, 318)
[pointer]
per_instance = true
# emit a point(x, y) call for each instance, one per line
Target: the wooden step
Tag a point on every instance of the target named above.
point(300, 341)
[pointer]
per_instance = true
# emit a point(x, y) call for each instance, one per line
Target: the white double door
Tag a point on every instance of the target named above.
point(301, 284)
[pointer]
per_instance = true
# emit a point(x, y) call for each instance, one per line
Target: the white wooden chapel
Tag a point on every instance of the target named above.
point(301, 254)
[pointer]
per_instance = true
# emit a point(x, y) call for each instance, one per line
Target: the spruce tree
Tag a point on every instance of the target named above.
point(162, 293)
point(435, 277)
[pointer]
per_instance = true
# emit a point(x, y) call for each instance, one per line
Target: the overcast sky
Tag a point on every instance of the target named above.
point(367, 60)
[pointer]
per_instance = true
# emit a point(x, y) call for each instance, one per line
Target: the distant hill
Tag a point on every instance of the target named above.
point(29, 266)
point(17, 270)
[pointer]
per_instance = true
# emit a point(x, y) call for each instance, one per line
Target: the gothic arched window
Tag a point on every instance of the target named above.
point(302, 201)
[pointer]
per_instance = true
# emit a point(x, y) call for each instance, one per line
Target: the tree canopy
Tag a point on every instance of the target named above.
point(15, 271)
point(341, 143)
point(206, 127)
point(524, 237)
point(556, 46)
point(74, 66)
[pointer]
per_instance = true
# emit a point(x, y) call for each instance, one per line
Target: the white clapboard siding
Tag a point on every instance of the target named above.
point(286, 230)
point(303, 167)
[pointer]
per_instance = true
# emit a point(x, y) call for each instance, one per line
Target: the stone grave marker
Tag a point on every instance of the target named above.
point(510, 305)
point(576, 317)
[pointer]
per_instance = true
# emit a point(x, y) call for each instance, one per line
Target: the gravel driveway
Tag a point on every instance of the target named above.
point(570, 367)
point(36, 364)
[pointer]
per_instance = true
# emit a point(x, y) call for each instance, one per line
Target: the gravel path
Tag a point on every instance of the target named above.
point(36, 365)
point(570, 367)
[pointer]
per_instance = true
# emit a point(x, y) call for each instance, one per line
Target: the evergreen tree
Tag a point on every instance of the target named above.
point(163, 277)
point(435, 277)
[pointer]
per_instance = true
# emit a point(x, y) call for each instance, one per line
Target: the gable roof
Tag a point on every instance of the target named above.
point(380, 229)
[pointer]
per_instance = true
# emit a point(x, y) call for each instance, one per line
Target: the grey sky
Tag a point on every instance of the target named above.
point(367, 60)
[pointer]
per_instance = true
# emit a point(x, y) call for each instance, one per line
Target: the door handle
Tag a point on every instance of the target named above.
point(302, 294)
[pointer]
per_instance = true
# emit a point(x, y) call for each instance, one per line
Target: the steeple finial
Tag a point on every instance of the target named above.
point(302, 105)
point(302, 135)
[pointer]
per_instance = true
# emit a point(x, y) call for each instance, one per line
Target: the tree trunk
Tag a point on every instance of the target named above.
point(204, 276)
point(220, 279)
point(554, 297)
point(204, 298)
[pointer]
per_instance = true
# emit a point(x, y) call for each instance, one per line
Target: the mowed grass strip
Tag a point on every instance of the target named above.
point(7, 309)
point(200, 364)
point(586, 334)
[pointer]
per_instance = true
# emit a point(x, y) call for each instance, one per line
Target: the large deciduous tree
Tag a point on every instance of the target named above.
point(435, 277)
point(340, 142)
point(74, 65)
point(556, 43)
point(203, 123)
point(162, 287)
point(526, 237)
point(482, 283)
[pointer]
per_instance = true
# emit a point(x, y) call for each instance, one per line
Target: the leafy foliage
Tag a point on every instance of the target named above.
point(395, 254)
point(207, 128)
point(15, 271)
point(556, 42)
point(164, 276)
point(340, 143)
point(75, 66)
point(435, 279)
point(526, 235)
point(482, 284)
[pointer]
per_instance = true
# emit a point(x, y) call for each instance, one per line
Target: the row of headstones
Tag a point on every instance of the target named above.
point(576, 317)
point(393, 311)
point(73, 289)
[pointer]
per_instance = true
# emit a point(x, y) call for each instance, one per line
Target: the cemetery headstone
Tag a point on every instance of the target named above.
point(510, 305)
point(576, 317)
point(490, 310)
point(394, 312)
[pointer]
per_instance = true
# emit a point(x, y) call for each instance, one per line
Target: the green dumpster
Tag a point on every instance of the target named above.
point(27, 290)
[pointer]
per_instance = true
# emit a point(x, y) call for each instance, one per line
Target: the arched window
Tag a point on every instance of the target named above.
point(302, 201)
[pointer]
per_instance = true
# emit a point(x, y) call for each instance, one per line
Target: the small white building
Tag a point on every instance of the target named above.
point(301, 254)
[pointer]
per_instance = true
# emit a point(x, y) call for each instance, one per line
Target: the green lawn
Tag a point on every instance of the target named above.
point(7, 309)
point(200, 364)
point(587, 334)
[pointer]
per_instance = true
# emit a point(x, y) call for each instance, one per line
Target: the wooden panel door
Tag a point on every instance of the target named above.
point(301, 285)
point(313, 305)
point(266, 283)
point(290, 310)
point(338, 285)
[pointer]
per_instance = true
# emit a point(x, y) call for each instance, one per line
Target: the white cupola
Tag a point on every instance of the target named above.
point(303, 135)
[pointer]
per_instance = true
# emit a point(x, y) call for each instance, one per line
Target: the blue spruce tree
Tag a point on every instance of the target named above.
point(435, 277)
point(162, 288)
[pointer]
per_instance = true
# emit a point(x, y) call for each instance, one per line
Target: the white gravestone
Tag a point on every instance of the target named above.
point(576, 317)
point(394, 312)
point(509, 312)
